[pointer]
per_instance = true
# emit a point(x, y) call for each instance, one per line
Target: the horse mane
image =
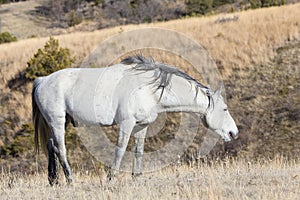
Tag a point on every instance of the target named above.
point(163, 73)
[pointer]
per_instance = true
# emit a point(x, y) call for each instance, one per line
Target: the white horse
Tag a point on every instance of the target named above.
point(130, 94)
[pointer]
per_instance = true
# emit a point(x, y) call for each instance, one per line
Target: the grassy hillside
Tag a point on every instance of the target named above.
point(257, 55)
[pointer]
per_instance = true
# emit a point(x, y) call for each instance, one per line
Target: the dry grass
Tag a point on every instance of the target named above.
point(249, 40)
point(231, 179)
point(18, 20)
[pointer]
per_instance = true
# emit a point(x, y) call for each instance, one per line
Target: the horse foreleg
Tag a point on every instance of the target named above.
point(123, 138)
point(138, 149)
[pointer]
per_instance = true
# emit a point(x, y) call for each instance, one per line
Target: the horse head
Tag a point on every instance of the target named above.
point(218, 118)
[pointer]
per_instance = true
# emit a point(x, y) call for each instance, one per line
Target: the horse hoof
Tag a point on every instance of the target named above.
point(136, 175)
point(69, 180)
point(53, 182)
point(111, 175)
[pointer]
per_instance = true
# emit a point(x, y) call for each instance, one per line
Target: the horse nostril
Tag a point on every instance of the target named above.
point(233, 135)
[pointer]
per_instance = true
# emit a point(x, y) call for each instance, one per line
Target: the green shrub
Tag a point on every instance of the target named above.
point(48, 60)
point(195, 7)
point(23, 142)
point(202, 7)
point(5, 1)
point(133, 4)
point(147, 19)
point(74, 18)
point(6, 37)
point(266, 3)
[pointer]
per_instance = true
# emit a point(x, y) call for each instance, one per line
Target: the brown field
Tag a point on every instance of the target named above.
point(229, 179)
point(260, 49)
point(248, 41)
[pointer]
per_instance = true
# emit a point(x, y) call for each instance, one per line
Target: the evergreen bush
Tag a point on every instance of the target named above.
point(6, 37)
point(48, 60)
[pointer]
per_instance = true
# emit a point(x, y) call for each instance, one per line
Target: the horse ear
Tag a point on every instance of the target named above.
point(218, 93)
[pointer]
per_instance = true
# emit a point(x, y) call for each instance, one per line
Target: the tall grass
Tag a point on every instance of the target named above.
point(231, 179)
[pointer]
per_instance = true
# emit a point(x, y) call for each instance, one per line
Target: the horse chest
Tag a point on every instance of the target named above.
point(145, 116)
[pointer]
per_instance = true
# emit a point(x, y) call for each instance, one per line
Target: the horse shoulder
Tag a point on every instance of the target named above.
point(144, 105)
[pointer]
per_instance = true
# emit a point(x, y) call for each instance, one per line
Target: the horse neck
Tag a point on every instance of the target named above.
point(182, 96)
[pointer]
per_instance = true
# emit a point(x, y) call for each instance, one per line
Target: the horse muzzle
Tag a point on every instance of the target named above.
point(234, 134)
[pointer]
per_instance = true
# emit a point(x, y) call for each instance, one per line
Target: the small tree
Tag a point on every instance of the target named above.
point(74, 18)
point(48, 60)
point(196, 7)
point(6, 37)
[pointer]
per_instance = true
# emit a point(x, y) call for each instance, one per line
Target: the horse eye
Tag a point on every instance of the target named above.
point(225, 109)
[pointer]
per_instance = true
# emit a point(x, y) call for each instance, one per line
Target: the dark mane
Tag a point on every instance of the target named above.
point(164, 72)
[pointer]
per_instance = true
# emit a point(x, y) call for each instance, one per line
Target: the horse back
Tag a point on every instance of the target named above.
point(97, 95)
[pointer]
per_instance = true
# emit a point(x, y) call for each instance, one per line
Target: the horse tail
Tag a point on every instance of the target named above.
point(42, 131)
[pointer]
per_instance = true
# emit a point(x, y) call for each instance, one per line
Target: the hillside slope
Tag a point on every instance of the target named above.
point(257, 55)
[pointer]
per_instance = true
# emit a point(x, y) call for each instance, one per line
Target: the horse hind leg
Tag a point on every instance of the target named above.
point(70, 119)
point(60, 150)
point(52, 163)
point(61, 153)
